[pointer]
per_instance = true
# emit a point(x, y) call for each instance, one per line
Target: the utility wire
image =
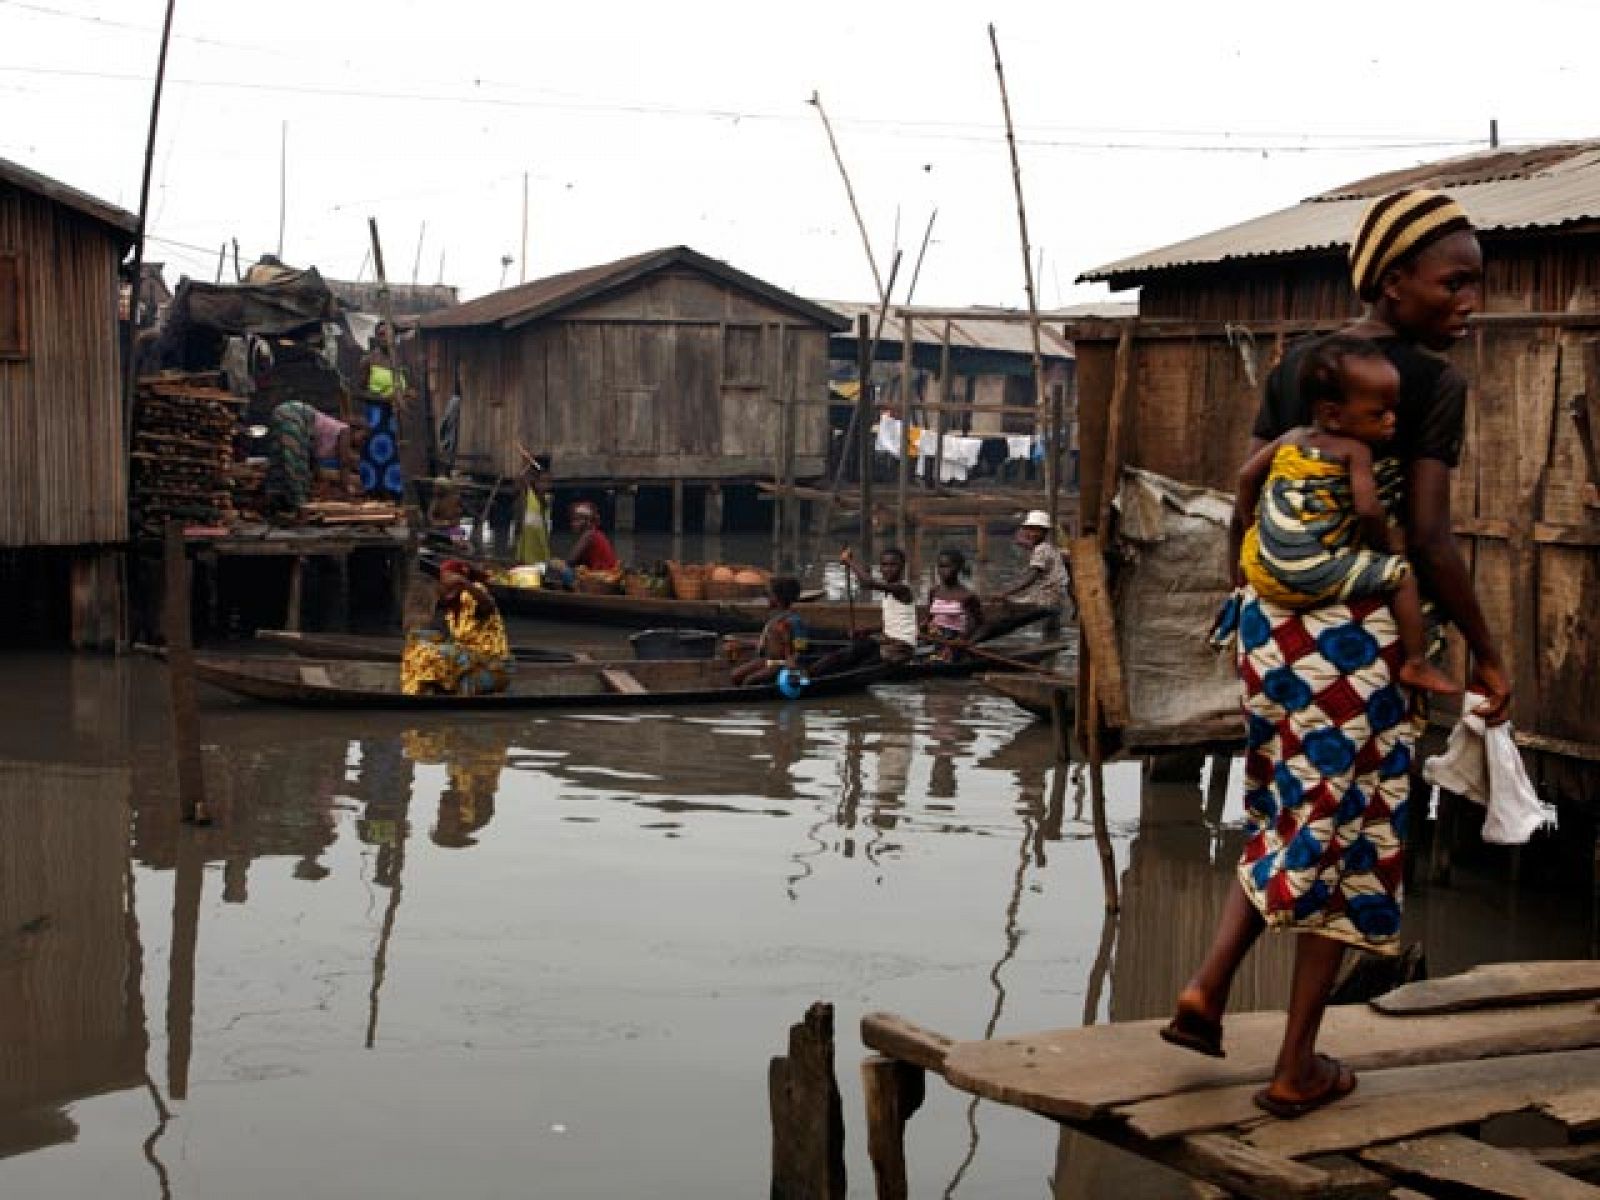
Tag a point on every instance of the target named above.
point(910, 129)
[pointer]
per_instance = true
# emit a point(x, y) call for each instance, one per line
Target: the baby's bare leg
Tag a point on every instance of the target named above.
point(1417, 671)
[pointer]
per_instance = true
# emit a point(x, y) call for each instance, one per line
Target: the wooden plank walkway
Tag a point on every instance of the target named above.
point(1435, 1059)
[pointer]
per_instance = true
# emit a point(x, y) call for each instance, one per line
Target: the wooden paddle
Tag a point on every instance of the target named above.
point(1014, 663)
point(850, 596)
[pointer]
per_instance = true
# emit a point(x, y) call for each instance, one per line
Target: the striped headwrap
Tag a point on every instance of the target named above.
point(1397, 227)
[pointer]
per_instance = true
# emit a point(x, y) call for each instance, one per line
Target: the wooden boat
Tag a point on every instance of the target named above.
point(1032, 692)
point(386, 648)
point(337, 683)
point(823, 618)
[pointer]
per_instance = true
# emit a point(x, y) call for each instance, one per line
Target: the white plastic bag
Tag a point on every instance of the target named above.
point(1482, 763)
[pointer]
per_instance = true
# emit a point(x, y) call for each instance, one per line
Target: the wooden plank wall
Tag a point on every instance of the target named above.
point(676, 377)
point(1517, 499)
point(63, 460)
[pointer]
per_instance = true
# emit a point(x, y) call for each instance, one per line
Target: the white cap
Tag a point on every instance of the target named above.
point(1037, 519)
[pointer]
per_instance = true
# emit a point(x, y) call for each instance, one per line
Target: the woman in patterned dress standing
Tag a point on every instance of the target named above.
point(1330, 731)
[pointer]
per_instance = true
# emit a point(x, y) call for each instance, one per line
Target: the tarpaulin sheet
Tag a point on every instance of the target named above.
point(291, 302)
point(1172, 540)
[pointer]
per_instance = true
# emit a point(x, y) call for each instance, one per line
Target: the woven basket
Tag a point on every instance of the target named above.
point(643, 587)
point(598, 583)
point(688, 581)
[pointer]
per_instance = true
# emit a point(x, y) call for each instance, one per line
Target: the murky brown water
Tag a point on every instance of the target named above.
point(551, 955)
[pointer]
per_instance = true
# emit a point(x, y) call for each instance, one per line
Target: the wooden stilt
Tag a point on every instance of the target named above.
point(893, 1092)
point(1444, 832)
point(291, 612)
point(624, 511)
point(180, 680)
point(677, 508)
point(807, 1113)
point(339, 592)
point(711, 518)
point(1061, 724)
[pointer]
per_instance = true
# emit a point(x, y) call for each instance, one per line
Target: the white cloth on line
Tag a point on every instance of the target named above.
point(1019, 446)
point(889, 435)
point(1482, 763)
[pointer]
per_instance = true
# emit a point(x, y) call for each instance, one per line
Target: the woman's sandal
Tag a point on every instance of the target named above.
point(1191, 1031)
point(1340, 1084)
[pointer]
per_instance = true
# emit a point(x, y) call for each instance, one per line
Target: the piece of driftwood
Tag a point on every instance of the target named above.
point(1098, 625)
point(893, 1092)
point(1496, 985)
point(807, 1113)
point(1085, 1073)
point(1456, 1161)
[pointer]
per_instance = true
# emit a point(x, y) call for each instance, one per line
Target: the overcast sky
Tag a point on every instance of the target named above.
point(645, 124)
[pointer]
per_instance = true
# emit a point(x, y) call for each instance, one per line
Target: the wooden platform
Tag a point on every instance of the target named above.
point(1435, 1060)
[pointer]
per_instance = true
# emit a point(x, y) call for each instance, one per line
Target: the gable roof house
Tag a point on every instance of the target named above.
point(63, 450)
point(667, 365)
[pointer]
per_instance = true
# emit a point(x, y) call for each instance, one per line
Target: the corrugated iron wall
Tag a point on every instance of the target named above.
point(63, 461)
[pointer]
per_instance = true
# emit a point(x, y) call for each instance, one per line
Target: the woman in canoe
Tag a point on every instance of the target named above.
point(468, 654)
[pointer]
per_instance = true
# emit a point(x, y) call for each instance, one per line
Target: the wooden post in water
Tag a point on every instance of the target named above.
point(807, 1113)
point(180, 679)
point(864, 351)
point(893, 1091)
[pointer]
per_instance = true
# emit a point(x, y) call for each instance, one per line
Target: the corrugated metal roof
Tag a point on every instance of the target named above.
point(990, 329)
point(90, 206)
point(409, 299)
point(541, 298)
point(1540, 187)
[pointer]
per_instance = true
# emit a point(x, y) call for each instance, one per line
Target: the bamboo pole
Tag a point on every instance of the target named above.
point(855, 209)
point(846, 449)
point(863, 420)
point(944, 400)
point(903, 484)
point(137, 282)
point(1040, 400)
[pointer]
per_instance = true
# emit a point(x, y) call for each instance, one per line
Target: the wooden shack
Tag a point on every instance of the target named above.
point(666, 368)
point(63, 450)
point(1175, 390)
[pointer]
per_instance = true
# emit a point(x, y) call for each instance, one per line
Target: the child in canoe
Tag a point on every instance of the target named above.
point(783, 638)
point(954, 611)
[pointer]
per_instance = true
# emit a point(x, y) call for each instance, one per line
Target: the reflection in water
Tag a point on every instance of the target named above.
point(568, 958)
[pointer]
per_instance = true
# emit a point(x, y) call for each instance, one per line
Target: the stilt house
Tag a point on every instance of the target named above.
point(63, 452)
point(663, 367)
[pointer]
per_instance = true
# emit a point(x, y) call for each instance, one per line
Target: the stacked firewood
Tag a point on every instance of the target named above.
point(350, 512)
point(183, 433)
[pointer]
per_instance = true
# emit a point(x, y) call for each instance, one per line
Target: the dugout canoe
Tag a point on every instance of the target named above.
point(1031, 691)
point(339, 683)
point(823, 618)
point(386, 648)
